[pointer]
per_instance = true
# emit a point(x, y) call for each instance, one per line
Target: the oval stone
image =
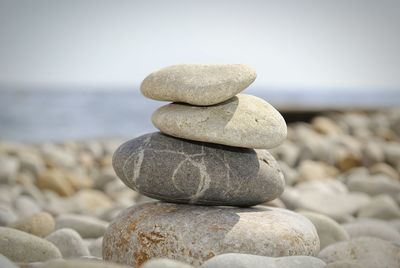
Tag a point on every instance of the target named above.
point(242, 121)
point(198, 84)
point(194, 234)
point(184, 171)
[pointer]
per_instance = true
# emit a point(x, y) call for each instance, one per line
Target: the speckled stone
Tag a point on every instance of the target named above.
point(193, 234)
point(242, 121)
point(183, 171)
point(198, 84)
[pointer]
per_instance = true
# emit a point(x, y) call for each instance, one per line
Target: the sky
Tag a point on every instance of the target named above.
point(113, 44)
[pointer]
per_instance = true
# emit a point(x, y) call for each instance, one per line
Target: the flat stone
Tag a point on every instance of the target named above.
point(374, 185)
point(242, 121)
point(183, 171)
point(372, 228)
point(236, 260)
point(329, 231)
point(193, 234)
point(40, 224)
point(69, 242)
point(22, 247)
point(198, 84)
point(86, 226)
point(368, 251)
point(380, 207)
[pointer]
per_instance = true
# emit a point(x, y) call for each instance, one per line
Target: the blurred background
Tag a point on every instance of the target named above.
point(72, 69)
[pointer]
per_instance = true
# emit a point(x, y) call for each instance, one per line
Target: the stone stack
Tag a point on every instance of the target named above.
point(209, 166)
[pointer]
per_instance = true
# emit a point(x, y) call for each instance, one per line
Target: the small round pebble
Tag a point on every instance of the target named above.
point(40, 224)
point(86, 226)
point(69, 242)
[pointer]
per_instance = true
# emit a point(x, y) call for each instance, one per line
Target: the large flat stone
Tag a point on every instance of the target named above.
point(193, 234)
point(198, 84)
point(242, 121)
point(183, 171)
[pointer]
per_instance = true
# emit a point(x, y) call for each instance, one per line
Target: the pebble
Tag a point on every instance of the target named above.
point(6, 263)
point(243, 121)
point(96, 247)
point(315, 170)
point(193, 234)
point(31, 162)
point(55, 180)
point(181, 171)
point(374, 185)
point(81, 263)
point(198, 84)
point(8, 169)
point(367, 251)
point(380, 207)
point(69, 242)
point(22, 247)
point(165, 263)
point(337, 206)
point(7, 215)
point(372, 228)
point(344, 264)
point(26, 206)
point(329, 231)
point(40, 224)
point(86, 226)
point(385, 169)
point(92, 201)
point(56, 156)
point(236, 260)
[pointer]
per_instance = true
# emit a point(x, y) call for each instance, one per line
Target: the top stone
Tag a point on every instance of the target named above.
point(198, 84)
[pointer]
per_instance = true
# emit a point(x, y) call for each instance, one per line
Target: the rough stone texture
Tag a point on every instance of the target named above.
point(69, 242)
point(193, 234)
point(165, 263)
point(367, 251)
point(40, 224)
point(372, 228)
point(198, 84)
point(86, 226)
point(329, 231)
point(242, 121)
point(19, 246)
point(183, 171)
point(235, 260)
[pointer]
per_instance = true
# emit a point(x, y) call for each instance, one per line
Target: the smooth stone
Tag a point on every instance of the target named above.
point(86, 226)
point(329, 231)
point(40, 224)
point(337, 206)
point(81, 263)
point(242, 121)
point(198, 84)
point(193, 234)
point(96, 247)
point(8, 169)
point(69, 242)
point(367, 251)
point(19, 246)
point(7, 215)
point(380, 207)
point(237, 260)
point(6, 263)
point(55, 180)
point(374, 185)
point(183, 171)
point(165, 263)
point(372, 228)
point(315, 170)
point(26, 206)
point(385, 169)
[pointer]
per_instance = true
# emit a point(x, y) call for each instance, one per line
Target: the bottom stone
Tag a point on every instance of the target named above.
point(193, 234)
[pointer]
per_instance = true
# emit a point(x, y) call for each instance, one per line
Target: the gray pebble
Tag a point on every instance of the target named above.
point(69, 242)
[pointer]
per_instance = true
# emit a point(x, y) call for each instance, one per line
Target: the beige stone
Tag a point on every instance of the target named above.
point(198, 84)
point(40, 224)
point(243, 121)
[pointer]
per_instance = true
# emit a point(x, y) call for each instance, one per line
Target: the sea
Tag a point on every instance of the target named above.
point(58, 115)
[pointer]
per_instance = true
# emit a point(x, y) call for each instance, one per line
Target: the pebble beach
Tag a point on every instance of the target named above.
point(333, 196)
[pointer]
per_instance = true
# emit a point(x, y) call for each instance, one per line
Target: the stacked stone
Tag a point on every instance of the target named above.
point(210, 153)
